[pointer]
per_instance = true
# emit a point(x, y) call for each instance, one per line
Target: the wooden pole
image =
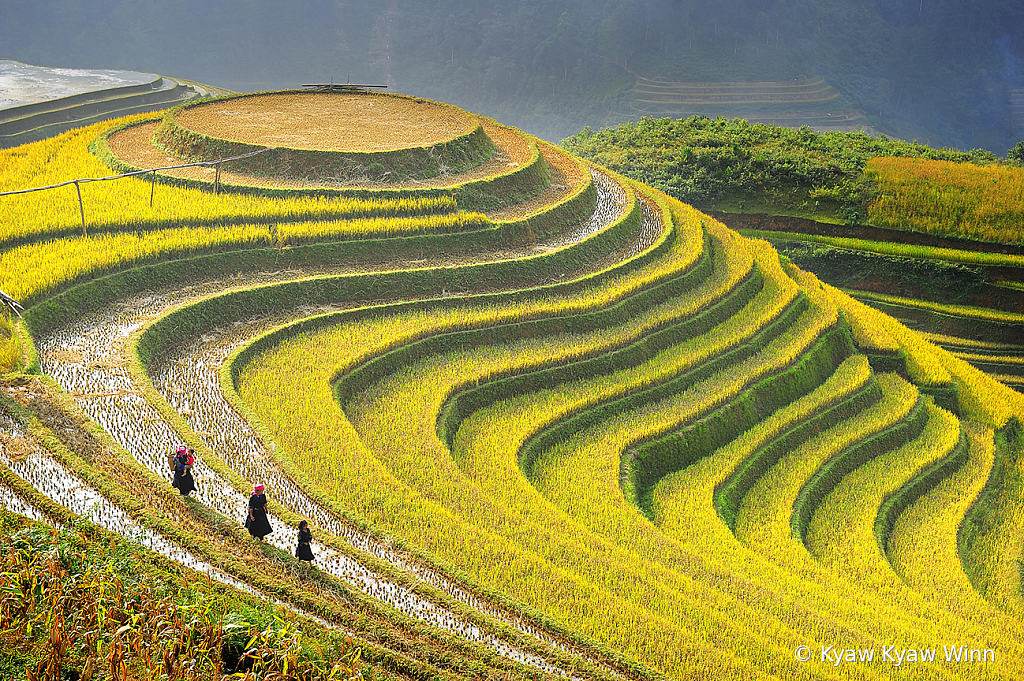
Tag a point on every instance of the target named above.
point(81, 208)
point(152, 188)
point(216, 181)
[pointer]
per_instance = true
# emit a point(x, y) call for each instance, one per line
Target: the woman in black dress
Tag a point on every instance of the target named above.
point(256, 522)
point(302, 551)
point(183, 481)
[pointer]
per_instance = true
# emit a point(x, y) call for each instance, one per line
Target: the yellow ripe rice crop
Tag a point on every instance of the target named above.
point(124, 203)
point(948, 199)
point(980, 313)
point(841, 533)
point(680, 499)
point(29, 271)
point(897, 249)
point(982, 398)
point(378, 335)
point(442, 542)
point(763, 521)
point(35, 269)
point(684, 509)
point(923, 547)
point(10, 348)
point(923, 358)
point(404, 438)
point(997, 546)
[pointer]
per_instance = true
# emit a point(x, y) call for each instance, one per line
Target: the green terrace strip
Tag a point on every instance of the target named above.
point(916, 487)
point(958, 344)
point(406, 648)
point(200, 211)
point(992, 534)
point(980, 313)
point(924, 545)
point(992, 363)
point(644, 466)
point(840, 532)
point(650, 324)
point(896, 249)
point(828, 475)
point(421, 288)
point(56, 310)
point(35, 271)
point(418, 390)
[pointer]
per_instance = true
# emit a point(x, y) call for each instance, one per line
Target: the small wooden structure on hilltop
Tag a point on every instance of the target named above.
point(341, 87)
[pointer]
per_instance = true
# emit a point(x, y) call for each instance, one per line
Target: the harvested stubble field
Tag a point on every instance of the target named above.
point(336, 122)
point(133, 146)
point(605, 437)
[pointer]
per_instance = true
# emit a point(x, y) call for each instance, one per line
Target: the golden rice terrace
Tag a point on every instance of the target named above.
point(544, 421)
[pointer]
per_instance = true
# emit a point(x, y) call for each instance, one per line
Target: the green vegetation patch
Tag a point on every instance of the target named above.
point(740, 166)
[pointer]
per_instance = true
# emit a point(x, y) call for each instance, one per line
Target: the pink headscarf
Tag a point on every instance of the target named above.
point(257, 489)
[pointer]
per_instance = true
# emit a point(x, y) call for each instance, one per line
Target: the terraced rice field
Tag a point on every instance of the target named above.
point(961, 295)
point(802, 101)
point(589, 433)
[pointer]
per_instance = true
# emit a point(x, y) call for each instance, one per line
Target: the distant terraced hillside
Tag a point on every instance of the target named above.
point(1017, 108)
point(544, 421)
point(805, 101)
point(38, 102)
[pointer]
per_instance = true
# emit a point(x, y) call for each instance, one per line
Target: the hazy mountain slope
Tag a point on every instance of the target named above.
point(944, 72)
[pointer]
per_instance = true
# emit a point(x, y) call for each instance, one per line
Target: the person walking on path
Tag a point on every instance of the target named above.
point(303, 551)
point(183, 462)
point(256, 522)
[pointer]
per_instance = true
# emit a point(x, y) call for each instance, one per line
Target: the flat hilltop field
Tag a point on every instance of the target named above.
point(543, 420)
point(365, 122)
